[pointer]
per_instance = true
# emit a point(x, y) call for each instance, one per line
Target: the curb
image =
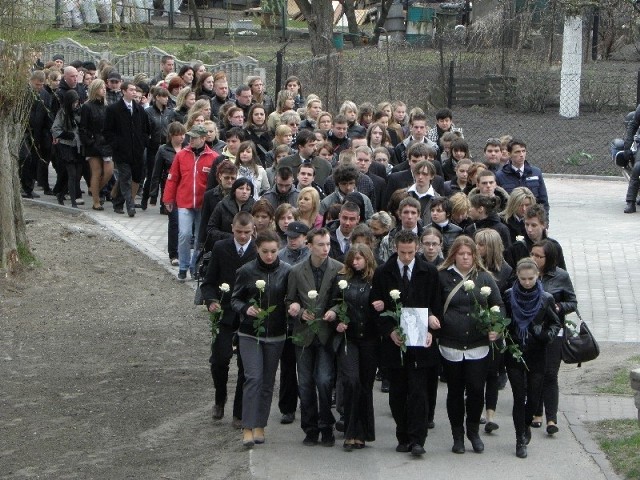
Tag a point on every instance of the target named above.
point(123, 234)
point(575, 176)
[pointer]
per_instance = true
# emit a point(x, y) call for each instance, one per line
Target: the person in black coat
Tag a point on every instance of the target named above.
point(159, 117)
point(536, 223)
point(239, 199)
point(126, 129)
point(464, 347)
point(96, 149)
point(419, 287)
point(227, 174)
point(405, 178)
point(483, 214)
point(225, 260)
point(534, 325)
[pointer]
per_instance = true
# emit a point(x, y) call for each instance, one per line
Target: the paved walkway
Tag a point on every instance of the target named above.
point(602, 253)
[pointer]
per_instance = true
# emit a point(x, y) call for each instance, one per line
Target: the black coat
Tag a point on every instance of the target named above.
point(424, 292)
point(558, 283)
point(541, 331)
point(211, 199)
point(219, 225)
point(493, 222)
point(522, 249)
point(127, 133)
point(222, 269)
point(158, 126)
point(362, 325)
point(262, 140)
point(92, 118)
point(244, 290)
point(458, 326)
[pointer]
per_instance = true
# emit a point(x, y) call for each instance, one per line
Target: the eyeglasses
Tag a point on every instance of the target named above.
point(431, 244)
point(535, 255)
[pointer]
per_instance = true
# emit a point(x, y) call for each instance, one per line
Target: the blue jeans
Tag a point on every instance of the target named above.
point(315, 372)
point(188, 225)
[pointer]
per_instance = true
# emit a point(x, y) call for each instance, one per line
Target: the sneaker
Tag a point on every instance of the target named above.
point(182, 275)
point(175, 262)
point(79, 201)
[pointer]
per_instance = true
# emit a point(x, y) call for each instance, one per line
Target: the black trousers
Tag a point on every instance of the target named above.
point(550, 389)
point(172, 233)
point(221, 354)
point(288, 395)
point(634, 182)
point(408, 401)
point(27, 158)
point(74, 173)
point(526, 386)
point(467, 376)
point(357, 364)
point(496, 361)
point(126, 174)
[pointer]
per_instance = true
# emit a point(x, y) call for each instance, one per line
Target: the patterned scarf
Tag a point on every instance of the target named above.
point(525, 304)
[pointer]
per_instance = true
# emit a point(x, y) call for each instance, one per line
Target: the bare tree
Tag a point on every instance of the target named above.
point(385, 6)
point(352, 22)
point(319, 17)
point(16, 59)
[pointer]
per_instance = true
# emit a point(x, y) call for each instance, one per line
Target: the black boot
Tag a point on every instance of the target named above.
point(60, 197)
point(474, 437)
point(458, 440)
point(631, 207)
point(521, 447)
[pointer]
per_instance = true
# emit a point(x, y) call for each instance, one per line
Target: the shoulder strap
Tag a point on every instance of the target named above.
point(453, 292)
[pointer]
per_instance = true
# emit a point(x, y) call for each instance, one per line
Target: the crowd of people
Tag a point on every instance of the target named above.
point(313, 233)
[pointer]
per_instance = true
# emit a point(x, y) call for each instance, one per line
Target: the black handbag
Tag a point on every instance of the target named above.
point(579, 348)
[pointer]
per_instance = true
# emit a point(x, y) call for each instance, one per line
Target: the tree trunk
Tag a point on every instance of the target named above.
point(571, 69)
point(350, 13)
point(385, 6)
point(196, 18)
point(319, 17)
point(12, 227)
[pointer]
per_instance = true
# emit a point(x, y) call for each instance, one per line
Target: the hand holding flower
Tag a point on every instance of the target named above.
point(395, 338)
point(253, 311)
point(330, 316)
point(214, 307)
point(342, 327)
point(378, 305)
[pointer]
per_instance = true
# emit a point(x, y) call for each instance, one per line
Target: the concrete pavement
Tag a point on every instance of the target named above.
point(602, 253)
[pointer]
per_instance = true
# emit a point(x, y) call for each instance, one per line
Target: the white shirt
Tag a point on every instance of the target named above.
point(244, 247)
point(341, 239)
point(401, 267)
point(430, 191)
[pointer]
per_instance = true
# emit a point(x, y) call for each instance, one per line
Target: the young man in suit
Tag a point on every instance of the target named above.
point(126, 129)
point(312, 331)
point(419, 287)
point(227, 256)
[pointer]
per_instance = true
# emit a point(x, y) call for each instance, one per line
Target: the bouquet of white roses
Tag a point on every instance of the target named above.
point(491, 319)
point(342, 315)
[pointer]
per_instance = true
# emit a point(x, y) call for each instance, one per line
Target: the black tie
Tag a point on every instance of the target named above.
point(405, 279)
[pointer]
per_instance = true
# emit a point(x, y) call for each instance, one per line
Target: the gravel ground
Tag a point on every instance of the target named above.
point(105, 365)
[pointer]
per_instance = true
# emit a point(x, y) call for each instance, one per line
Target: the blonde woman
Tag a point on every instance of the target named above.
point(520, 199)
point(309, 207)
point(184, 101)
point(96, 149)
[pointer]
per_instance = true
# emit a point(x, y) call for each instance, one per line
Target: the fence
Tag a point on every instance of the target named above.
point(148, 61)
point(492, 49)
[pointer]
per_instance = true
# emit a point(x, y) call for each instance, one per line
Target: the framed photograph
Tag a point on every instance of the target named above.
point(415, 324)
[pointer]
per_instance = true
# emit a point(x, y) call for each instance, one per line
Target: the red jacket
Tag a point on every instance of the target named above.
point(187, 180)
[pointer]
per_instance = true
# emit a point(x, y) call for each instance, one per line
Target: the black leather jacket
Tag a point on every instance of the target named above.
point(558, 284)
point(158, 126)
point(361, 324)
point(245, 290)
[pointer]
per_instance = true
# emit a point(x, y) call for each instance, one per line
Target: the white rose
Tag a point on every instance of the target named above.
point(519, 238)
point(469, 285)
point(260, 284)
point(224, 288)
point(342, 284)
point(485, 291)
point(394, 294)
point(312, 294)
point(495, 309)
